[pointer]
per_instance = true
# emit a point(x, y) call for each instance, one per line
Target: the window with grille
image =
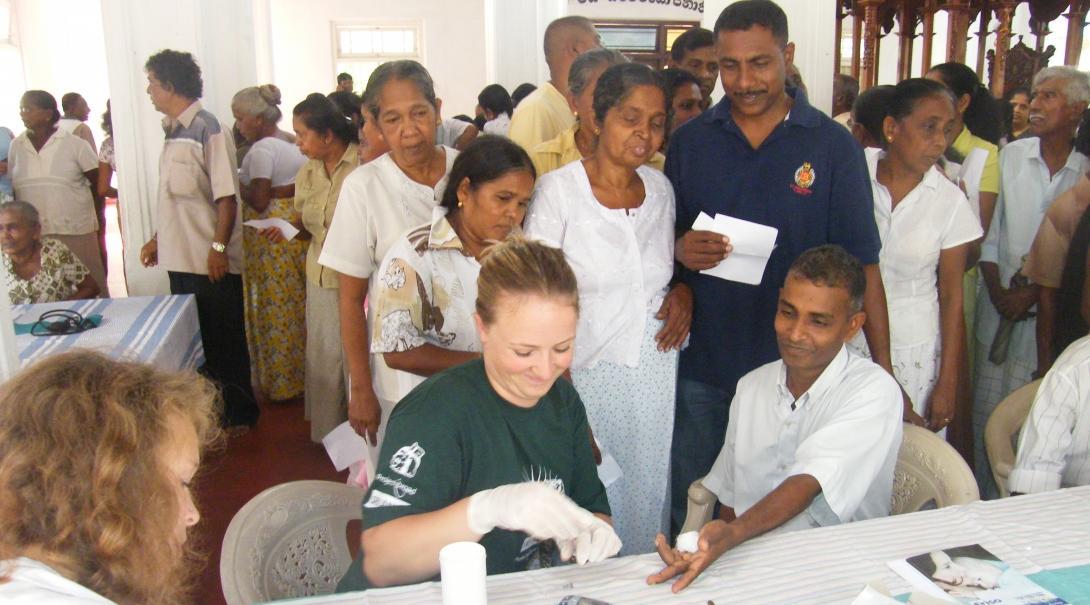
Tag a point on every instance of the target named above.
point(360, 48)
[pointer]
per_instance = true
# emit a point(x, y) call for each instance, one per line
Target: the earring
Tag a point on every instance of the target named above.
point(461, 203)
point(597, 131)
point(889, 139)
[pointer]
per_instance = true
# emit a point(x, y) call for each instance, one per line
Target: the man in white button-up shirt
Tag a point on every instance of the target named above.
point(1033, 173)
point(812, 439)
point(1054, 449)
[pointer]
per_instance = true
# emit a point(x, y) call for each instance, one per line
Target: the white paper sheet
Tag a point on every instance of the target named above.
point(346, 449)
point(752, 245)
point(608, 471)
point(284, 226)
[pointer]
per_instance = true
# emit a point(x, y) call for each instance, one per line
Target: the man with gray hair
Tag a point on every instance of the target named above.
point(1033, 172)
point(545, 113)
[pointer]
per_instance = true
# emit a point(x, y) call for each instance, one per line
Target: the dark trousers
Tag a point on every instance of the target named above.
point(700, 426)
point(223, 333)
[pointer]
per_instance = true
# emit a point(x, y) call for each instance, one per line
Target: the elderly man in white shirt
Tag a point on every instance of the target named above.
point(812, 439)
point(1033, 173)
point(1054, 448)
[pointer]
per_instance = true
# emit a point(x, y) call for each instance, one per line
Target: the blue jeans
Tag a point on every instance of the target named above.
point(700, 425)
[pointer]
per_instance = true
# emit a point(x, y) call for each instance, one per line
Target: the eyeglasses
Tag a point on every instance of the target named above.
point(60, 322)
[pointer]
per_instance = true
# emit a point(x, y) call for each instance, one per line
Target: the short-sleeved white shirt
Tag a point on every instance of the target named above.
point(274, 159)
point(933, 217)
point(1054, 447)
point(498, 125)
point(623, 260)
point(448, 131)
point(35, 583)
point(52, 180)
point(378, 203)
point(1026, 190)
point(845, 431)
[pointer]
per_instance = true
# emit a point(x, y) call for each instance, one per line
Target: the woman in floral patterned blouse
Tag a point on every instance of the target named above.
point(39, 270)
point(427, 289)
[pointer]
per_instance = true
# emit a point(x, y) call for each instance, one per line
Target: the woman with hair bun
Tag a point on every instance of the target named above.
point(97, 462)
point(427, 284)
point(57, 172)
point(926, 227)
point(494, 450)
point(329, 140)
point(274, 277)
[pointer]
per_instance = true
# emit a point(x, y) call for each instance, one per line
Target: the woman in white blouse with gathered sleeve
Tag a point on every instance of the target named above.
point(926, 226)
point(614, 219)
point(378, 203)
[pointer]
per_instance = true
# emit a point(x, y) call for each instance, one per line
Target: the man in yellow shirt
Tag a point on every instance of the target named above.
point(545, 113)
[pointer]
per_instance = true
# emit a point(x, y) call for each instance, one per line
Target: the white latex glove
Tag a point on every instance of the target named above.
point(532, 507)
point(594, 544)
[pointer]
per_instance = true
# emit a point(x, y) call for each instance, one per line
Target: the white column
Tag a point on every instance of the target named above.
point(514, 37)
point(811, 26)
point(220, 35)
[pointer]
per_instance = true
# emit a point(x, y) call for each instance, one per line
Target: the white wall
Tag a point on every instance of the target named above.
point(453, 44)
point(810, 25)
point(133, 31)
point(56, 55)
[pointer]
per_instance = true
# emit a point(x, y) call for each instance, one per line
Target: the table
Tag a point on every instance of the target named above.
point(826, 565)
point(160, 330)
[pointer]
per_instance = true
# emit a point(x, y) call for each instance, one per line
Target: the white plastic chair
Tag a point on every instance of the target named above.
point(289, 541)
point(928, 470)
point(1002, 430)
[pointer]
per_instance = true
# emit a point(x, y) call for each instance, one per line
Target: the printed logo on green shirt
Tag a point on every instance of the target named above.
point(406, 461)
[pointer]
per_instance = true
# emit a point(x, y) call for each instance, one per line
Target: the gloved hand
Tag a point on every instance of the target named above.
point(595, 543)
point(532, 507)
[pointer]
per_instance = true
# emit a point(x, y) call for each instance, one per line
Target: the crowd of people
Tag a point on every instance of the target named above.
point(499, 303)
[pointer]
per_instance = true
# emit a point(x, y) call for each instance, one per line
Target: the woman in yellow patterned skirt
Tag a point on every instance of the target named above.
point(274, 279)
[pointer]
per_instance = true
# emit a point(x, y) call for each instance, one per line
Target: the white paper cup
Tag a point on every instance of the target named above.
point(462, 568)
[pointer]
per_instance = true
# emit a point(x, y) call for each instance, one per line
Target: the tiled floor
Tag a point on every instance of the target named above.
point(277, 450)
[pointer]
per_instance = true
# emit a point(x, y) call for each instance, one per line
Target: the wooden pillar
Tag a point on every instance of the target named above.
point(1076, 22)
point(958, 31)
point(906, 26)
point(857, 43)
point(869, 72)
point(982, 40)
point(1004, 12)
point(927, 38)
point(839, 33)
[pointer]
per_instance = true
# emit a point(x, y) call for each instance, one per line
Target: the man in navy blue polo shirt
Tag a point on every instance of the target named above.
point(762, 154)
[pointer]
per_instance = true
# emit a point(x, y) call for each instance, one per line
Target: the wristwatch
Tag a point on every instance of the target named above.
point(218, 247)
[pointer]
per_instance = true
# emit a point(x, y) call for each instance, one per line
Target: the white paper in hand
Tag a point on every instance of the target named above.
point(752, 245)
point(284, 226)
point(346, 449)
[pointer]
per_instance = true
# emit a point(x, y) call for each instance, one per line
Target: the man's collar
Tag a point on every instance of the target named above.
point(801, 113)
point(824, 382)
point(185, 118)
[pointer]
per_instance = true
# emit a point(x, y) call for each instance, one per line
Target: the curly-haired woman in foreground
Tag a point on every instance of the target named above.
point(96, 461)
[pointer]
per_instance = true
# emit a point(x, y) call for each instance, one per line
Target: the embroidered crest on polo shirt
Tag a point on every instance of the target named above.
point(406, 461)
point(804, 178)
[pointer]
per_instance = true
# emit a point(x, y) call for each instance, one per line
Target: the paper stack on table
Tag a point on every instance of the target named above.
point(284, 226)
point(752, 243)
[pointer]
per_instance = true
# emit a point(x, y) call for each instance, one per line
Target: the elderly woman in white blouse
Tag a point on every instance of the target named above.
point(57, 172)
point(426, 291)
point(927, 226)
point(378, 203)
point(614, 219)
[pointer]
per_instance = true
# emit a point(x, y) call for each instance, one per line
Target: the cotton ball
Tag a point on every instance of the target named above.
point(687, 542)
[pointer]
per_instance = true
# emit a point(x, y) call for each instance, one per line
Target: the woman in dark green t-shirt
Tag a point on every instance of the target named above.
point(495, 450)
